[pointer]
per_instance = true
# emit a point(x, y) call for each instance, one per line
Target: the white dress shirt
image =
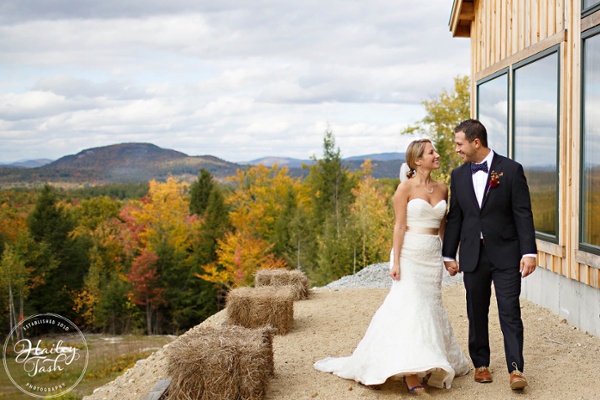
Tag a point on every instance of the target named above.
point(480, 178)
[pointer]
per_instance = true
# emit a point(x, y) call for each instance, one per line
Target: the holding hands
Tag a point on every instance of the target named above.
point(452, 267)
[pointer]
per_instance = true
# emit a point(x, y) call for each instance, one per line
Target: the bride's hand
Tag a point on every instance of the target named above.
point(395, 273)
point(452, 267)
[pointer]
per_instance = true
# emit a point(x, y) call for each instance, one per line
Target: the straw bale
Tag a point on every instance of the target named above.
point(230, 363)
point(261, 306)
point(283, 277)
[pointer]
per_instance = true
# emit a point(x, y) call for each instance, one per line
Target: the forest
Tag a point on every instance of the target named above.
point(159, 258)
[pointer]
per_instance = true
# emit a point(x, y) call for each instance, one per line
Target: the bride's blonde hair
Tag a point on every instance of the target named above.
point(414, 151)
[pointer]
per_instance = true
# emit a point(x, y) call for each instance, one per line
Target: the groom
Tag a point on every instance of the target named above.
point(490, 217)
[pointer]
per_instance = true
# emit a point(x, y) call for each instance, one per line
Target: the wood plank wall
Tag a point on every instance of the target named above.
point(504, 32)
point(505, 27)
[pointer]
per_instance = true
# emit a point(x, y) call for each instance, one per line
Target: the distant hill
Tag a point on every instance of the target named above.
point(27, 163)
point(386, 165)
point(378, 157)
point(120, 163)
point(280, 161)
point(141, 162)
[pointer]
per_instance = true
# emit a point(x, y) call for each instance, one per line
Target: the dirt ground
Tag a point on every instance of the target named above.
point(561, 362)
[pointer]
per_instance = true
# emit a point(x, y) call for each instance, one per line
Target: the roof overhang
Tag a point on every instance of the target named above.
point(463, 13)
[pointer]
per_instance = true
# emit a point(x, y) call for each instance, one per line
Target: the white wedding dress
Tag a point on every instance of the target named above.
point(410, 333)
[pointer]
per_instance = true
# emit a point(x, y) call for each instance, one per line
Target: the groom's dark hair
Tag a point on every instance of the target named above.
point(473, 129)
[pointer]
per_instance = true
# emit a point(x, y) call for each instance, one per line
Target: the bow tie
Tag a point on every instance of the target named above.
point(479, 167)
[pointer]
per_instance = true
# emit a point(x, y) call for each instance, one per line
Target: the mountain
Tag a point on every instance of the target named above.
point(297, 163)
point(27, 163)
point(141, 162)
point(379, 157)
point(280, 161)
point(120, 163)
point(386, 165)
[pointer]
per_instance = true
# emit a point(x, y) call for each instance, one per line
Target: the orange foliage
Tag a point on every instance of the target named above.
point(239, 257)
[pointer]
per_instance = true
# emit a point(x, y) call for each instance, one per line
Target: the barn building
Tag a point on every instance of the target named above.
point(535, 85)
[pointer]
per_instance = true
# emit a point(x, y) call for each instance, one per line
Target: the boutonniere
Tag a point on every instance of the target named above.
point(494, 180)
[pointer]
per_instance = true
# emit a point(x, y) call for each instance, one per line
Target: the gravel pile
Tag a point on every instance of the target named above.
point(377, 276)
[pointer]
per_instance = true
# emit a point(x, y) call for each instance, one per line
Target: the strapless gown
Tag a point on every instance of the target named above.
point(410, 333)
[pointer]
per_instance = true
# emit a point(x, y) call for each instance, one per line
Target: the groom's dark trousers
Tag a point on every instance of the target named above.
point(507, 285)
point(492, 240)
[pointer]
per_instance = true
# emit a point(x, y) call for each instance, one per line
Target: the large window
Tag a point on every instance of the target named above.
point(492, 110)
point(535, 127)
point(590, 160)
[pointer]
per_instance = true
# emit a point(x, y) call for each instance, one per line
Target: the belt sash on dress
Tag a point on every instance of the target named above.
point(423, 231)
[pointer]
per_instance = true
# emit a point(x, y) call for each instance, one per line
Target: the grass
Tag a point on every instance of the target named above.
point(109, 357)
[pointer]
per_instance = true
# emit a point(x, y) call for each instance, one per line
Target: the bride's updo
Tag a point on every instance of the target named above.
point(414, 151)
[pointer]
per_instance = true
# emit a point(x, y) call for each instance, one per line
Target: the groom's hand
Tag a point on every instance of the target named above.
point(452, 267)
point(527, 266)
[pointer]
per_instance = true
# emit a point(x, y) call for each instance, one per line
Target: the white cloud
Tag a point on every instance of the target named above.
point(235, 79)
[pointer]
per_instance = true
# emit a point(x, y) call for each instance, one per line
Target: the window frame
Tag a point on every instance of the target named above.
point(504, 71)
point(583, 246)
point(590, 10)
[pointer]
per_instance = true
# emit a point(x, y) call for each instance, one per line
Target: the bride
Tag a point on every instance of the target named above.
point(410, 335)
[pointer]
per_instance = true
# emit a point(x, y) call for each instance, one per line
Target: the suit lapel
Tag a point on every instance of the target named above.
point(495, 167)
point(467, 177)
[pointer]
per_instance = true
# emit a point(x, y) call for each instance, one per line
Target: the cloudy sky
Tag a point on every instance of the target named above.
point(237, 79)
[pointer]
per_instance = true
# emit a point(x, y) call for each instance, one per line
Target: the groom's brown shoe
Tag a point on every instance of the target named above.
point(483, 375)
point(517, 380)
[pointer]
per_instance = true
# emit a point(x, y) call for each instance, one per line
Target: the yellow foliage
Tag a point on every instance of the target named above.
point(374, 219)
point(259, 197)
point(165, 216)
point(238, 259)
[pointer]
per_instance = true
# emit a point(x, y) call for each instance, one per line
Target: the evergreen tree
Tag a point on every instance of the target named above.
point(200, 192)
point(113, 312)
point(50, 227)
point(214, 226)
point(331, 185)
point(283, 246)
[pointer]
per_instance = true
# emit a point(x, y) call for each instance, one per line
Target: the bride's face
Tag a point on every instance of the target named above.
point(430, 158)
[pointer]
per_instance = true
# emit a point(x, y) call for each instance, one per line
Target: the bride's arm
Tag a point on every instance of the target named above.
point(400, 201)
point(443, 222)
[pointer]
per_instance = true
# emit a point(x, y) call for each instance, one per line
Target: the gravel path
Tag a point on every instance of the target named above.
point(562, 362)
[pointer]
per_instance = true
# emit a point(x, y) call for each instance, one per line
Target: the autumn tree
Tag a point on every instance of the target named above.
point(146, 290)
point(239, 256)
point(164, 226)
point(373, 219)
point(257, 202)
point(13, 283)
point(96, 219)
point(15, 205)
point(443, 114)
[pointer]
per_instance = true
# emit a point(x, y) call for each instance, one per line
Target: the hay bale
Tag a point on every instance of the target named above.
point(282, 277)
point(261, 306)
point(231, 363)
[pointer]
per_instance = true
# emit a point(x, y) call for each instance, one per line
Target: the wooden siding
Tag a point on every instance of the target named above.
point(504, 32)
point(502, 28)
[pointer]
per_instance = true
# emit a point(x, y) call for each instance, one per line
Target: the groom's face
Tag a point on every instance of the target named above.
point(465, 149)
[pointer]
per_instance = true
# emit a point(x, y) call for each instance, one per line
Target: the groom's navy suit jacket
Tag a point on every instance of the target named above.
point(505, 218)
